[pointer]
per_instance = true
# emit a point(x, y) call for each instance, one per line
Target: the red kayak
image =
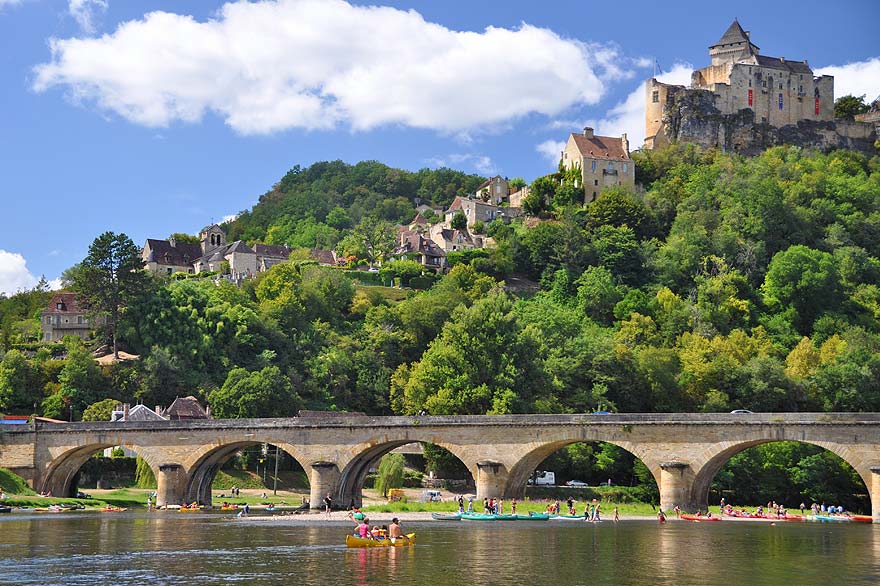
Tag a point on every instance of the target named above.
point(687, 517)
point(862, 518)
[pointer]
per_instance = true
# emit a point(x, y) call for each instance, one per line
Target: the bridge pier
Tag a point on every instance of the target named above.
point(491, 479)
point(676, 488)
point(324, 480)
point(170, 485)
point(874, 490)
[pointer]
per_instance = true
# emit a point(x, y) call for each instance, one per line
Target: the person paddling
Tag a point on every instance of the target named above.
point(395, 532)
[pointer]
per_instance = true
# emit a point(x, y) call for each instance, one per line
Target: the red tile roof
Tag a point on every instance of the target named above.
point(68, 302)
point(600, 147)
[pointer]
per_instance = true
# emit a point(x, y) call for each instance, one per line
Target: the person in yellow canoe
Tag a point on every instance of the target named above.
point(395, 531)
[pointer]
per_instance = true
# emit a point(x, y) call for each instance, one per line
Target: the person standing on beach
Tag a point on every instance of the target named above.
point(328, 504)
point(616, 515)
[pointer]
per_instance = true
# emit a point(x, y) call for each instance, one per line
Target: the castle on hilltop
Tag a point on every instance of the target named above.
point(746, 102)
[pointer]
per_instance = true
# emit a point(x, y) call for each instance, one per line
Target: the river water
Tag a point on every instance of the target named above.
point(194, 549)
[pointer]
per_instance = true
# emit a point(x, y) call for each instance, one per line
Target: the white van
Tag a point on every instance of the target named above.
point(429, 496)
point(543, 478)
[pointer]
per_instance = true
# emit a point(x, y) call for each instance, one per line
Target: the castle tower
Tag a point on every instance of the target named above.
point(734, 45)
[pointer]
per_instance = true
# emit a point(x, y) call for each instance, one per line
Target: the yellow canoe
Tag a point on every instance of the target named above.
point(191, 509)
point(352, 541)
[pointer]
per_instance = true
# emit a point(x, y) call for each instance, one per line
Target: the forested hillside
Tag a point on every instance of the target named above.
point(721, 283)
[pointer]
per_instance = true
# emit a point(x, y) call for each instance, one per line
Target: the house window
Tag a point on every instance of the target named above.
point(59, 306)
point(611, 165)
point(79, 319)
point(780, 85)
point(168, 270)
point(594, 166)
point(655, 97)
point(595, 182)
point(625, 168)
point(763, 84)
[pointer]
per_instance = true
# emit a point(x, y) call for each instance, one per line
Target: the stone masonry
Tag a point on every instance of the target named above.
point(682, 451)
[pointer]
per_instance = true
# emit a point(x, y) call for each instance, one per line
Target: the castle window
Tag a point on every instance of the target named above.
point(750, 83)
point(655, 97)
point(780, 85)
point(763, 84)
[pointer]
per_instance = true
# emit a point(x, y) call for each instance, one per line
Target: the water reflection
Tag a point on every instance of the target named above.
point(136, 549)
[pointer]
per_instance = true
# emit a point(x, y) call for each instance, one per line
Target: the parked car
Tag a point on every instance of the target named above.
point(575, 483)
point(543, 478)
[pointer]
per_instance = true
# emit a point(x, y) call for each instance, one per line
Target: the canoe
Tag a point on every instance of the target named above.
point(352, 541)
point(191, 509)
point(446, 516)
point(533, 517)
point(112, 509)
point(567, 517)
point(862, 518)
point(828, 518)
point(233, 508)
point(506, 517)
point(5, 509)
point(687, 517)
point(478, 517)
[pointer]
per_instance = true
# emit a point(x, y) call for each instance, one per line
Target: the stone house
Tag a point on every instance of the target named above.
point(64, 317)
point(494, 190)
point(603, 160)
point(414, 245)
point(474, 211)
point(185, 409)
point(452, 240)
point(124, 412)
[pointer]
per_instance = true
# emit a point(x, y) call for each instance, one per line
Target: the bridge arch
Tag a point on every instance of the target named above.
point(63, 467)
point(205, 462)
point(523, 468)
point(351, 479)
point(715, 457)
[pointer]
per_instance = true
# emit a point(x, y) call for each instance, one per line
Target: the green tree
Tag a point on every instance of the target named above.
point(849, 106)
point(540, 192)
point(111, 277)
point(263, 393)
point(390, 473)
point(100, 411)
point(805, 280)
point(459, 221)
point(181, 237)
point(376, 237)
point(19, 383)
point(81, 381)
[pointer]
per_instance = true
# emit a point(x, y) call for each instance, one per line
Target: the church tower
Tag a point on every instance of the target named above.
point(212, 237)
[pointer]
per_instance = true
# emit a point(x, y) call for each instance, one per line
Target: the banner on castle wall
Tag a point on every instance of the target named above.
point(817, 106)
point(750, 97)
point(780, 101)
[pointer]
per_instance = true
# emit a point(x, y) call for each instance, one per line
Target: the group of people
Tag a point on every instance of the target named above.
point(776, 509)
point(391, 532)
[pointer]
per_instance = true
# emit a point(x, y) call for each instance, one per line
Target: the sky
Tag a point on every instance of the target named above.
point(150, 118)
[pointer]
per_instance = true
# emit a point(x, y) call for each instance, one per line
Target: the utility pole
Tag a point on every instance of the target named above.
point(275, 482)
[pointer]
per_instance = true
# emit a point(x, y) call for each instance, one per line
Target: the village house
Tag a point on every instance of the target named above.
point(475, 211)
point(412, 244)
point(495, 190)
point(213, 254)
point(603, 161)
point(64, 317)
point(452, 240)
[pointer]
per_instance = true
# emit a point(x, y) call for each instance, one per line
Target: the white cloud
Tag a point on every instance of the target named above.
point(861, 78)
point(228, 218)
point(84, 12)
point(550, 150)
point(481, 163)
point(4, 3)
point(272, 65)
point(14, 274)
point(629, 115)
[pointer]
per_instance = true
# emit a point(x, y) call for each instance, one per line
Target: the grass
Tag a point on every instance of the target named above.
point(13, 483)
point(392, 294)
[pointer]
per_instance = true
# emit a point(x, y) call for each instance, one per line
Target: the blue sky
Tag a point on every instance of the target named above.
point(156, 117)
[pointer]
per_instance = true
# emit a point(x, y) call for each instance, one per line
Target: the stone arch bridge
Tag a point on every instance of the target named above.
point(682, 451)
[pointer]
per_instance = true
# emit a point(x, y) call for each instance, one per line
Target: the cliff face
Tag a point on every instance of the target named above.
point(691, 116)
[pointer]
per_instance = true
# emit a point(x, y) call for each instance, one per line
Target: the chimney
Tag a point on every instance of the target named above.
point(125, 410)
point(749, 35)
point(588, 132)
point(624, 143)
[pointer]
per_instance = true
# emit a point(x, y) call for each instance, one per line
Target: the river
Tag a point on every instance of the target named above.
point(167, 548)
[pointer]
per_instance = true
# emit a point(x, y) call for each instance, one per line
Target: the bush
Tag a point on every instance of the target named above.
point(423, 282)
